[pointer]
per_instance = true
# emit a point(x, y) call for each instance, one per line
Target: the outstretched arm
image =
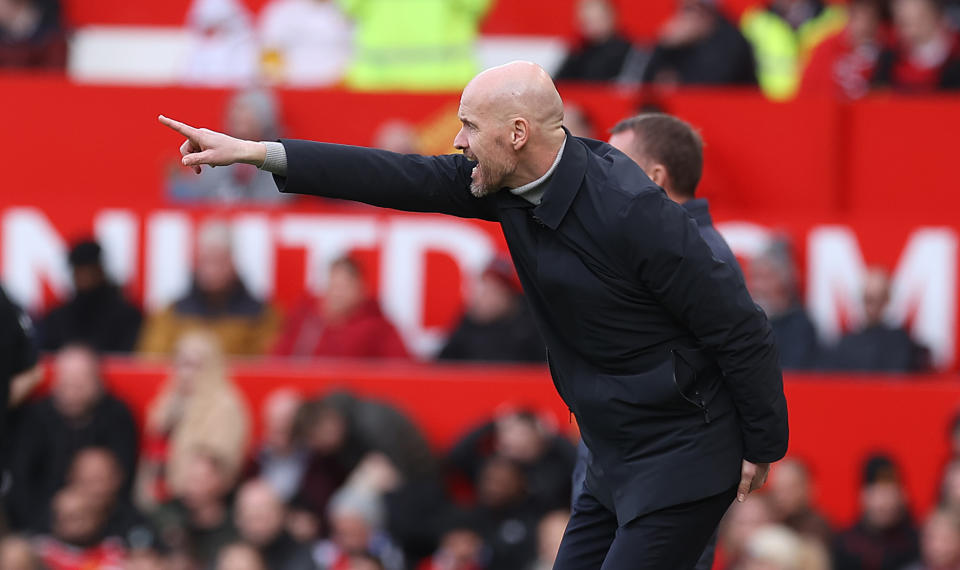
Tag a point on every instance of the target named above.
point(400, 181)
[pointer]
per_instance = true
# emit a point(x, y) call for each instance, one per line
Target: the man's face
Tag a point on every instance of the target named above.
point(345, 292)
point(215, 272)
point(483, 138)
point(95, 472)
point(259, 514)
point(789, 489)
point(76, 518)
point(76, 386)
point(882, 504)
point(915, 21)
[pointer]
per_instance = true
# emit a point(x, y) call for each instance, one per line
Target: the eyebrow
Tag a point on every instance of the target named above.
point(467, 121)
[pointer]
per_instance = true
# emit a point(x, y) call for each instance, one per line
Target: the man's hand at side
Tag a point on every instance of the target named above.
point(204, 146)
point(752, 477)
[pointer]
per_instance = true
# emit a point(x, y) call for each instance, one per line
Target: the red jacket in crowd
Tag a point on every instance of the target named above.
point(839, 69)
point(363, 333)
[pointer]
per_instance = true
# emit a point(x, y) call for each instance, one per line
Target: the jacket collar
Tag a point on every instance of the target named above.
point(561, 189)
point(699, 210)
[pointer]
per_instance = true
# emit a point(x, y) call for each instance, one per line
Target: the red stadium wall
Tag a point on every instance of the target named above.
point(835, 421)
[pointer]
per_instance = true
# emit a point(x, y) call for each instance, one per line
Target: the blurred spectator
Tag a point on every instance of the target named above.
point(97, 314)
point(549, 534)
point(699, 46)
point(878, 347)
point(198, 520)
point(78, 413)
point(77, 541)
point(602, 52)
point(224, 46)
point(197, 408)
point(950, 487)
point(305, 42)
point(418, 45)
point(506, 517)
point(16, 553)
point(546, 458)
point(32, 34)
point(940, 543)
point(842, 65)
point(217, 301)
point(772, 282)
point(927, 52)
point(346, 323)
point(461, 548)
point(281, 460)
point(884, 537)
point(240, 556)
point(783, 33)
point(740, 524)
point(97, 474)
point(792, 503)
point(251, 114)
point(260, 517)
point(497, 325)
point(778, 548)
point(357, 518)
point(578, 122)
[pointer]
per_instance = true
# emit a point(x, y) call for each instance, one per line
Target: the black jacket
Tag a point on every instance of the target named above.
point(638, 316)
point(102, 318)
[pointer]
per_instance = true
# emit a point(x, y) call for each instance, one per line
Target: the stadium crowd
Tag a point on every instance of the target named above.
point(785, 47)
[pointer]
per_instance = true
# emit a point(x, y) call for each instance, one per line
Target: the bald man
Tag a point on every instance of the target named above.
point(653, 343)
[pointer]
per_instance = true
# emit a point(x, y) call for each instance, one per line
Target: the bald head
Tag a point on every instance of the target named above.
point(512, 118)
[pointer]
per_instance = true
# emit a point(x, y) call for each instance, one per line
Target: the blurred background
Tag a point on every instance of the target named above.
point(233, 379)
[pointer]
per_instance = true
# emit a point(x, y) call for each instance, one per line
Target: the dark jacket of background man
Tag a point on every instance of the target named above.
point(626, 294)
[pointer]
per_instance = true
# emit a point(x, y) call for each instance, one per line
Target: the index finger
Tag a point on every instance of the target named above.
point(182, 128)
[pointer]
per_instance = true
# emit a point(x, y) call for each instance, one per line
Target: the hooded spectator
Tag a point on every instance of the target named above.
point(79, 413)
point(926, 56)
point(699, 46)
point(603, 52)
point(842, 65)
point(884, 536)
point(77, 541)
point(497, 325)
point(260, 517)
point(251, 114)
point(346, 323)
point(783, 33)
point(773, 284)
point(197, 408)
point(878, 346)
point(97, 314)
point(217, 301)
point(32, 35)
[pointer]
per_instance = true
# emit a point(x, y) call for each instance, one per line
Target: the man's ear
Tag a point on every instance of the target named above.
point(520, 133)
point(658, 173)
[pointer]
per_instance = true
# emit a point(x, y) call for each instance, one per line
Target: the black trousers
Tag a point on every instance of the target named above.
point(669, 539)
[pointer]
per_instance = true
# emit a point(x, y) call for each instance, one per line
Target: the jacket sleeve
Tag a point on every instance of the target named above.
point(711, 300)
point(400, 181)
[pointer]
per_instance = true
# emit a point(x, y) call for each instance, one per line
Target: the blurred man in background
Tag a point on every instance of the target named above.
point(346, 322)
point(305, 42)
point(782, 34)
point(884, 538)
point(97, 314)
point(603, 52)
point(78, 540)
point(79, 413)
point(281, 459)
point(497, 325)
point(926, 56)
point(223, 50)
point(97, 474)
point(940, 542)
point(358, 521)
point(260, 516)
point(792, 501)
point(249, 113)
point(699, 46)
point(878, 346)
point(217, 301)
point(506, 514)
point(740, 524)
point(773, 284)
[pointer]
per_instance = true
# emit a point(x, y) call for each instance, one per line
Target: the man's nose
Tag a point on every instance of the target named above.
point(460, 141)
